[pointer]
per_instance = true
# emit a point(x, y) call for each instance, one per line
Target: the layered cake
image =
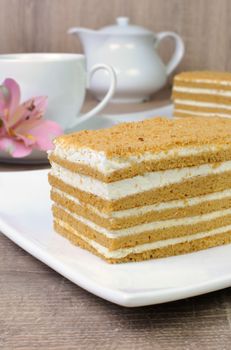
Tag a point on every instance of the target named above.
point(144, 190)
point(206, 94)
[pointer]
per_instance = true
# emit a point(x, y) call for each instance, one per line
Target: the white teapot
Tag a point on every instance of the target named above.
point(131, 51)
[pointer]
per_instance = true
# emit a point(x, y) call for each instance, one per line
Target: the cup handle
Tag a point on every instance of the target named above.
point(177, 54)
point(107, 97)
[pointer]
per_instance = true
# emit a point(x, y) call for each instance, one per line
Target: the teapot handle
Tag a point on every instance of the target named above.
point(177, 54)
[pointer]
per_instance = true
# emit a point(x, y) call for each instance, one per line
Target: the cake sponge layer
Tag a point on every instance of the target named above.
point(204, 77)
point(176, 249)
point(201, 97)
point(152, 135)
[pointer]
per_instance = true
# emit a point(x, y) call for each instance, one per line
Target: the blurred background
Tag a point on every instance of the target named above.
point(41, 25)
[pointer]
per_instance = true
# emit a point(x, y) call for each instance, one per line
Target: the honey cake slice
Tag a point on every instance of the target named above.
point(202, 93)
point(144, 190)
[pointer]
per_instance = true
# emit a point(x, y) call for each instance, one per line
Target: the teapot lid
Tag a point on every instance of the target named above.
point(122, 26)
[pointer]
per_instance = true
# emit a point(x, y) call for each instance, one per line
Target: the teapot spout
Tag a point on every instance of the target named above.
point(90, 39)
point(80, 30)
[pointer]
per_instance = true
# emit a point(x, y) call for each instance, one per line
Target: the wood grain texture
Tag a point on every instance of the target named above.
point(42, 310)
point(41, 25)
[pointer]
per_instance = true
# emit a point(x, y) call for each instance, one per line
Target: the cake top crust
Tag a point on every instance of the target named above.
point(152, 135)
point(200, 75)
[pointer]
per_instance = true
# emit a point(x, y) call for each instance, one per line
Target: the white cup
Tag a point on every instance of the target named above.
point(59, 76)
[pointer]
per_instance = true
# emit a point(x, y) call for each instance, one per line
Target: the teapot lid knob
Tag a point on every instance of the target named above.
point(122, 21)
point(123, 27)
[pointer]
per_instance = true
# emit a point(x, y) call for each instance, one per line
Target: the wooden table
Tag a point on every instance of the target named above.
point(39, 309)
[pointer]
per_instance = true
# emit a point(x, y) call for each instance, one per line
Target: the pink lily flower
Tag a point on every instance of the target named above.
point(22, 127)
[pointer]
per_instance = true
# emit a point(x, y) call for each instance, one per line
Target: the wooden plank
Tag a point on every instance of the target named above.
point(42, 310)
point(32, 25)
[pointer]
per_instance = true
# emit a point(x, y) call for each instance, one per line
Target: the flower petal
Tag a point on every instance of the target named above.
point(4, 97)
point(36, 105)
point(17, 149)
point(2, 127)
point(45, 133)
point(26, 126)
point(41, 103)
point(13, 99)
point(30, 110)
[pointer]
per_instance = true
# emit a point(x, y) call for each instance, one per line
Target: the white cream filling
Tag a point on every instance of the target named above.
point(137, 184)
point(154, 207)
point(202, 91)
point(203, 114)
point(99, 161)
point(206, 81)
point(155, 225)
point(123, 252)
point(201, 104)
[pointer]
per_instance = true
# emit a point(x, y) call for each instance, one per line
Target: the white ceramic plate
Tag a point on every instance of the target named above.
point(100, 121)
point(25, 217)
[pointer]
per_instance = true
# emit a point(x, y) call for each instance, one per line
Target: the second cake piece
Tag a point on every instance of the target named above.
point(203, 94)
point(144, 190)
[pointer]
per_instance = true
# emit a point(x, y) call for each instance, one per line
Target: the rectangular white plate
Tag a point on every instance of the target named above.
point(25, 218)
